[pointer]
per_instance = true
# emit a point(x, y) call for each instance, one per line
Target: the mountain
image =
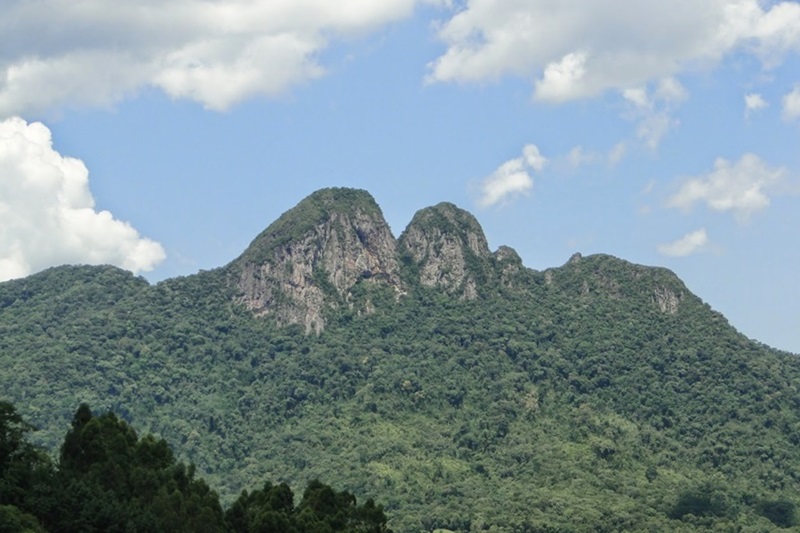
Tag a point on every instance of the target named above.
point(455, 385)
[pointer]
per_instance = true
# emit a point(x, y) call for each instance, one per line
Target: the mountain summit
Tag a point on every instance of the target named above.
point(313, 257)
point(314, 254)
point(448, 248)
point(334, 249)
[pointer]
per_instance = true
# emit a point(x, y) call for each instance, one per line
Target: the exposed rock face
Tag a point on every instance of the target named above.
point(667, 300)
point(509, 263)
point(449, 248)
point(313, 256)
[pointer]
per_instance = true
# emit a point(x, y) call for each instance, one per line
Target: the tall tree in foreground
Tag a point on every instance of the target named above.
point(110, 480)
point(24, 470)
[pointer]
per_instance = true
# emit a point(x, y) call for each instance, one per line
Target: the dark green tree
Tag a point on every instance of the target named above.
point(110, 480)
point(24, 470)
point(322, 509)
point(780, 512)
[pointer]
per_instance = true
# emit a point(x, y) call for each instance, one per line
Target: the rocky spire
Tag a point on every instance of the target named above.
point(314, 254)
point(448, 248)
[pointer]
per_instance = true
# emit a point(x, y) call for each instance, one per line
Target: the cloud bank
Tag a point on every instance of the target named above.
point(91, 53)
point(47, 214)
point(688, 244)
point(219, 53)
point(512, 178)
point(575, 49)
point(740, 187)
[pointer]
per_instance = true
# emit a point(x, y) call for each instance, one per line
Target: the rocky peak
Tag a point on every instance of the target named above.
point(509, 264)
point(449, 249)
point(606, 276)
point(334, 250)
point(314, 254)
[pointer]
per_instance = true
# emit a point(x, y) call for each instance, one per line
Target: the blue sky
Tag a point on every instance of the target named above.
point(163, 136)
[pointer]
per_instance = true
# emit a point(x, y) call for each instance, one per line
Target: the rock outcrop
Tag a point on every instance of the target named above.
point(667, 299)
point(448, 248)
point(509, 265)
point(314, 254)
point(334, 250)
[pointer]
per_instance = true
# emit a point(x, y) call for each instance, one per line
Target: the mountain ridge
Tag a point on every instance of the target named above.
point(310, 259)
point(451, 382)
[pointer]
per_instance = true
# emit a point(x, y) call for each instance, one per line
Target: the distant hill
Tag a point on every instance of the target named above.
point(458, 387)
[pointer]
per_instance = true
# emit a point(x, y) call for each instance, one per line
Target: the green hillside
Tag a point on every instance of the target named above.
point(597, 396)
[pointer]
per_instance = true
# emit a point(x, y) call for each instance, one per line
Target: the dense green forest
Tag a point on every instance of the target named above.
point(107, 479)
point(482, 396)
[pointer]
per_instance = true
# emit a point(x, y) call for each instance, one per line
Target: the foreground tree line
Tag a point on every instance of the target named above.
point(108, 479)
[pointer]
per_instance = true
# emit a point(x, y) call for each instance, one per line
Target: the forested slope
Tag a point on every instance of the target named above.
point(108, 479)
point(453, 384)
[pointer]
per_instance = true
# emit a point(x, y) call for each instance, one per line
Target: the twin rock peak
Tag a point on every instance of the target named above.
point(316, 254)
point(335, 250)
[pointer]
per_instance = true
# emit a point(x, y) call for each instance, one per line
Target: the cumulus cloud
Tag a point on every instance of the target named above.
point(754, 102)
point(575, 49)
point(47, 214)
point(217, 53)
point(512, 178)
point(686, 245)
point(791, 104)
point(742, 187)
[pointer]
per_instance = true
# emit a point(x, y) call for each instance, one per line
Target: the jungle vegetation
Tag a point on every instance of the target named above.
point(108, 479)
point(597, 396)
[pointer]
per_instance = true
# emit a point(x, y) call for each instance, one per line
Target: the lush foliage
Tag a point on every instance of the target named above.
point(599, 396)
point(107, 479)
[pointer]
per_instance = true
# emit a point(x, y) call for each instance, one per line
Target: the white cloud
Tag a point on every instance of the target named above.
point(512, 178)
point(653, 112)
point(576, 49)
point(562, 80)
point(671, 91)
point(754, 102)
point(791, 104)
point(638, 97)
point(47, 214)
point(741, 187)
point(686, 245)
point(56, 53)
point(533, 158)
